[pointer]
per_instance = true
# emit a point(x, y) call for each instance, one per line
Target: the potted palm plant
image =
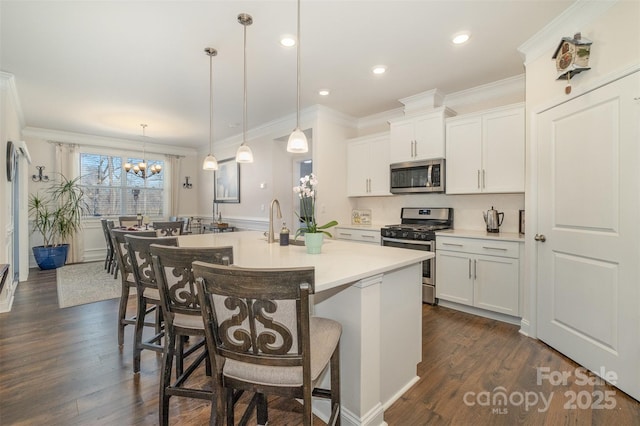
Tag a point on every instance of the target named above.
point(56, 215)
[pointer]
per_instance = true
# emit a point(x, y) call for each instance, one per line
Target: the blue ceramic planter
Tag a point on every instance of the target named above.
point(51, 257)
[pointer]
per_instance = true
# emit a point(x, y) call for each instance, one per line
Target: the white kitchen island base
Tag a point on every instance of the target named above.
point(374, 292)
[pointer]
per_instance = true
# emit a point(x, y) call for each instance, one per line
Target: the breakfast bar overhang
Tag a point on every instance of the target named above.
point(373, 291)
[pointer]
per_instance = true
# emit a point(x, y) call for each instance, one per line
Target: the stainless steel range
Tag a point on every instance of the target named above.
point(417, 232)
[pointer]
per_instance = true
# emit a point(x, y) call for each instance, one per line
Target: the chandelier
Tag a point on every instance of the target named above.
point(140, 169)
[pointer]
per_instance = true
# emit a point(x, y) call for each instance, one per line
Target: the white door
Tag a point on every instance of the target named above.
point(589, 211)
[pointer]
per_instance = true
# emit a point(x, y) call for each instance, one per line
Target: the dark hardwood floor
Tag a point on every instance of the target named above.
point(63, 367)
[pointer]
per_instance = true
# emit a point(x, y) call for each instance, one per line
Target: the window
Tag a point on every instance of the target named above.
point(111, 191)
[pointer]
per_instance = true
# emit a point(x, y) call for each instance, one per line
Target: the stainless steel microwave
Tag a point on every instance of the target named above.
point(417, 176)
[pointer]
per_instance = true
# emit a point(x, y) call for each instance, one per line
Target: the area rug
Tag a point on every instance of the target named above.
point(83, 283)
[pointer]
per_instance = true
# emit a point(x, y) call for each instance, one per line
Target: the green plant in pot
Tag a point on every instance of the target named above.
point(56, 214)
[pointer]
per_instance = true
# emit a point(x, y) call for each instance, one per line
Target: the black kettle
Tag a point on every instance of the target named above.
point(493, 219)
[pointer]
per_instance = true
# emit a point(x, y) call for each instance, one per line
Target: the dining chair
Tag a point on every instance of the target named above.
point(146, 292)
point(258, 324)
point(110, 263)
point(128, 220)
point(126, 277)
point(182, 318)
point(168, 229)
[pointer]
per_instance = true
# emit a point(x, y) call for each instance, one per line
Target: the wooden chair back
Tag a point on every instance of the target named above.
point(107, 226)
point(258, 316)
point(128, 220)
point(120, 250)
point(168, 229)
point(174, 276)
point(138, 248)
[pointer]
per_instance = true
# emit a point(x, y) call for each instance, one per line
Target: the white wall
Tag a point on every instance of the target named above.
point(10, 125)
point(613, 28)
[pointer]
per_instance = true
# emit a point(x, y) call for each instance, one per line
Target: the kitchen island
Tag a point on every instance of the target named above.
point(373, 291)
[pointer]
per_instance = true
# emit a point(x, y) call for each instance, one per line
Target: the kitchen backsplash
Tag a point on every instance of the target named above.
point(467, 212)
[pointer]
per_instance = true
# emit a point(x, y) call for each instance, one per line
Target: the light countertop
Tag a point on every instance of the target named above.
point(341, 262)
point(472, 233)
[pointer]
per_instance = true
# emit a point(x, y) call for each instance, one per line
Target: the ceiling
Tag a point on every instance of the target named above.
point(104, 67)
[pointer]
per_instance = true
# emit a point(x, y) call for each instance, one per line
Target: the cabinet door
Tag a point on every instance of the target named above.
point(464, 155)
point(357, 168)
point(496, 284)
point(429, 137)
point(503, 151)
point(402, 141)
point(379, 180)
point(453, 277)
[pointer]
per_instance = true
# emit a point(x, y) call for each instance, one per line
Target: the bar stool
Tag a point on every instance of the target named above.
point(261, 338)
point(146, 292)
point(182, 317)
point(126, 277)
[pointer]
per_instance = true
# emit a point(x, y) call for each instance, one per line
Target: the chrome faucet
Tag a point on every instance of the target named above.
point(271, 237)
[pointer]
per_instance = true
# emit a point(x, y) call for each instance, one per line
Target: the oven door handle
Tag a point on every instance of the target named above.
point(429, 180)
point(396, 240)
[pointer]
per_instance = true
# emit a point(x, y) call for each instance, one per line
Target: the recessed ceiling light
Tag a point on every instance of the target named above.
point(323, 92)
point(379, 69)
point(460, 38)
point(288, 41)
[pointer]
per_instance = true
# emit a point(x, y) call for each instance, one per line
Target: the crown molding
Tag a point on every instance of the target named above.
point(283, 126)
point(569, 22)
point(9, 81)
point(58, 136)
point(380, 118)
point(509, 86)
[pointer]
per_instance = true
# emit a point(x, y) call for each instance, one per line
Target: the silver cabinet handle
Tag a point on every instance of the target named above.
point(469, 268)
point(415, 149)
point(452, 244)
point(478, 179)
point(494, 248)
point(344, 234)
point(368, 236)
point(484, 185)
point(475, 269)
point(540, 237)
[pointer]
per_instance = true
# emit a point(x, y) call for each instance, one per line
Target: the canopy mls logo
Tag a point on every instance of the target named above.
point(499, 400)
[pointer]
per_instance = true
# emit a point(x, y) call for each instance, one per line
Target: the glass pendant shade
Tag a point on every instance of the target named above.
point(210, 163)
point(244, 154)
point(297, 142)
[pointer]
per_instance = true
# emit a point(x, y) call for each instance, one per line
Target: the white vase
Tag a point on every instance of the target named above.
point(313, 242)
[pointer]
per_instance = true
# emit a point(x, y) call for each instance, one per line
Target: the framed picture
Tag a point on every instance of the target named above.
point(226, 182)
point(521, 227)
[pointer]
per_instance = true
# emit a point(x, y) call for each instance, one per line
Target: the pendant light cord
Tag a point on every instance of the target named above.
point(210, 103)
point(298, 72)
point(244, 106)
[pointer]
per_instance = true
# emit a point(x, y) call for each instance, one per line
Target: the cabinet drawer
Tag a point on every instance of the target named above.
point(360, 235)
point(479, 246)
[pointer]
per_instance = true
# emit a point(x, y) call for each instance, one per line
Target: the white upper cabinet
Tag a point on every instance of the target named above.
point(485, 152)
point(368, 166)
point(420, 137)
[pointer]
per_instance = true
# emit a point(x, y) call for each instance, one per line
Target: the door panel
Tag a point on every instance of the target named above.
point(588, 273)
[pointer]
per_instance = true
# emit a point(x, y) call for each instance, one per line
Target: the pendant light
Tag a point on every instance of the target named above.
point(297, 140)
point(210, 162)
point(244, 154)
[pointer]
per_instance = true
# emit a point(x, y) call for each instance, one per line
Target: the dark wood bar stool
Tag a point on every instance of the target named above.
point(182, 317)
point(258, 324)
point(126, 277)
point(146, 292)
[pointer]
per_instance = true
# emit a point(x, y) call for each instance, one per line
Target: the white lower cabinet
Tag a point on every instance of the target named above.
point(371, 236)
point(480, 273)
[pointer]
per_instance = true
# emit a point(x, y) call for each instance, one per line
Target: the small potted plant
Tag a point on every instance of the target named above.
point(56, 215)
point(313, 233)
